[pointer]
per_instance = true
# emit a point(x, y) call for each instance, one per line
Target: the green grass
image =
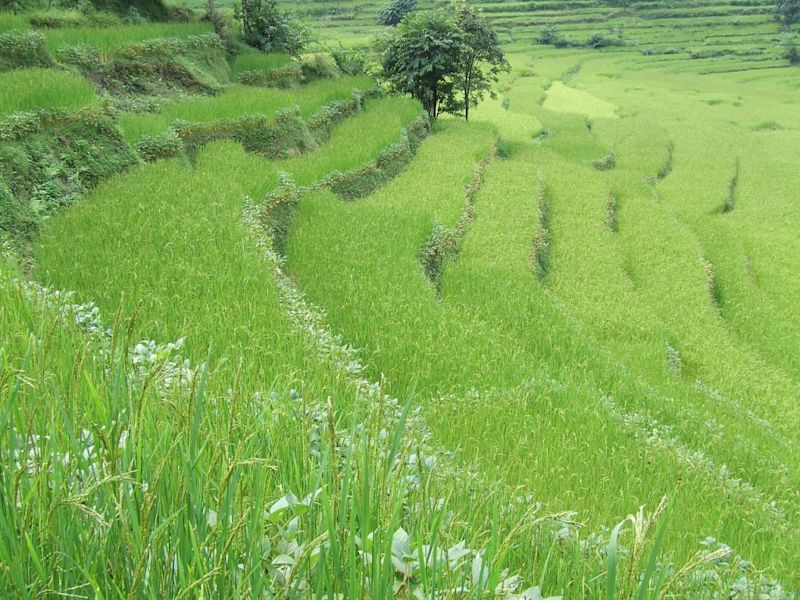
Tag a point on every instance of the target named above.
point(241, 100)
point(250, 59)
point(31, 89)
point(10, 21)
point(563, 98)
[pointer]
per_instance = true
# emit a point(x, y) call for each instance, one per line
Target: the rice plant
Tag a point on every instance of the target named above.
point(33, 89)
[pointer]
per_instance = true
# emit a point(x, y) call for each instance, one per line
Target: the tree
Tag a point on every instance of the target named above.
point(481, 61)
point(423, 58)
point(788, 12)
point(271, 29)
point(221, 29)
point(394, 12)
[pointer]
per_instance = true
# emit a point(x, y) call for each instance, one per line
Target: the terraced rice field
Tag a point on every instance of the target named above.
point(391, 366)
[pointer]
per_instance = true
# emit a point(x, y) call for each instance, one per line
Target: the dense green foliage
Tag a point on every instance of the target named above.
point(23, 49)
point(448, 60)
point(395, 10)
point(422, 58)
point(788, 12)
point(482, 60)
point(49, 159)
point(271, 29)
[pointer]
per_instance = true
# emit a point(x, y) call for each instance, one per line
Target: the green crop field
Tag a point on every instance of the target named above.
point(268, 330)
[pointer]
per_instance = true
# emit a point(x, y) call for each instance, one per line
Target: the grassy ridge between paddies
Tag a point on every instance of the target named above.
point(109, 39)
point(32, 89)
point(240, 100)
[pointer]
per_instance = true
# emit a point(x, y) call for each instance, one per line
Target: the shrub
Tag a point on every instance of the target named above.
point(598, 40)
point(548, 35)
point(318, 66)
point(167, 145)
point(271, 29)
point(351, 61)
point(792, 55)
point(503, 149)
point(23, 49)
point(608, 162)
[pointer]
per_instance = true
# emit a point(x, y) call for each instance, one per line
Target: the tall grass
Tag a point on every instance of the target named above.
point(141, 473)
point(250, 59)
point(10, 21)
point(31, 89)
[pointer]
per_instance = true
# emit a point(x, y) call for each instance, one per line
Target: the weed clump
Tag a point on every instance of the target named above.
point(666, 168)
point(540, 254)
point(608, 162)
point(730, 202)
point(611, 213)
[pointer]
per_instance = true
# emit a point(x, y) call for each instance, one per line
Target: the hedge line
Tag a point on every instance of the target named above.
point(285, 135)
point(195, 64)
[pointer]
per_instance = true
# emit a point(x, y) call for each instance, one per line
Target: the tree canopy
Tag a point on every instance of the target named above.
point(788, 12)
point(482, 59)
point(447, 59)
point(395, 10)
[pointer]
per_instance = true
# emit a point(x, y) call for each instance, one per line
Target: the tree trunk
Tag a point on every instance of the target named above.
point(468, 87)
point(246, 18)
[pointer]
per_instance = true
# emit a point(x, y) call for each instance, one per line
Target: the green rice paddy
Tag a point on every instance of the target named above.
point(614, 327)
